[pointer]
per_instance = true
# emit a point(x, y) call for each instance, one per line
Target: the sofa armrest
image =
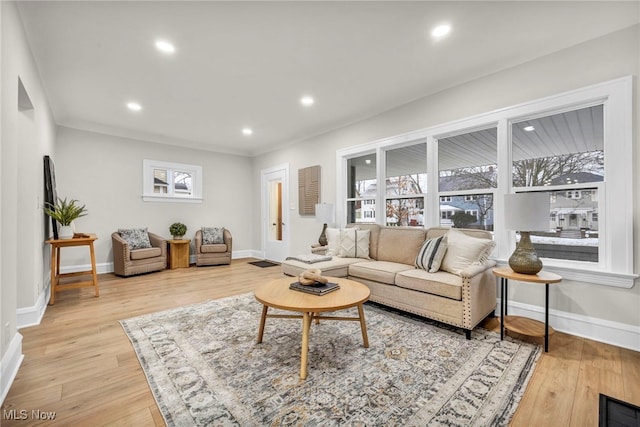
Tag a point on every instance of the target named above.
point(474, 270)
point(198, 241)
point(478, 293)
point(121, 252)
point(228, 239)
point(158, 242)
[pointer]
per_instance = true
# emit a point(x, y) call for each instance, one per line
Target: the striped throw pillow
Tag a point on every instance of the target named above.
point(431, 254)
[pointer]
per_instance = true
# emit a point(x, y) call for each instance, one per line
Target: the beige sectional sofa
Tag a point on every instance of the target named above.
point(462, 296)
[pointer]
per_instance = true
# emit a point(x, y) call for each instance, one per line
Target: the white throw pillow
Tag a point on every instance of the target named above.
point(464, 251)
point(431, 254)
point(354, 243)
point(333, 241)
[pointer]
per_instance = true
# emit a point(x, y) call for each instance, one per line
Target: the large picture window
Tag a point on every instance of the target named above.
point(576, 147)
point(563, 153)
point(171, 182)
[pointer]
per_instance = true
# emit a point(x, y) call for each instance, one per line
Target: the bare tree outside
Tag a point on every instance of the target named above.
point(544, 170)
point(401, 211)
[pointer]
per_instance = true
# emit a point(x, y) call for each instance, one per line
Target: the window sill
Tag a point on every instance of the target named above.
point(584, 275)
point(165, 199)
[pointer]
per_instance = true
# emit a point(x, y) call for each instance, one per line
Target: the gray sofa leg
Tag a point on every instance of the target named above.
point(467, 333)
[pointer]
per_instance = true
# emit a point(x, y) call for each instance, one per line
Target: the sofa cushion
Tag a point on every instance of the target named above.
point(136, 238)
point(337, 267)
point(431, 254)
point(464, 251)
point(213, 249)
point(212, 235)
point(145, 253)
point(399, 245)
point(354, 243)
point(378, 271)
point(440, 283)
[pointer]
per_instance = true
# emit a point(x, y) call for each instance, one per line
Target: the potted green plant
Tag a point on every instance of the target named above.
point(177, 230)
point(65, 212)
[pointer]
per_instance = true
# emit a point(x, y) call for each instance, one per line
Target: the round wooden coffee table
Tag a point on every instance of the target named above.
point(277, 294)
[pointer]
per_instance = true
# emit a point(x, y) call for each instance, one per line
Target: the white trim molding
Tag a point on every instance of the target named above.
point(601, 330)
point(10, 364)
point(32, 316)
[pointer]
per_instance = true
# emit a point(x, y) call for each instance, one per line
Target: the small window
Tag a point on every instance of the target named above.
point(171, 182)
point(445, 198)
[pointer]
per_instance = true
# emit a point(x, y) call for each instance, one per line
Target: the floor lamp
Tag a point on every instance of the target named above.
point(324, 215)
point(526, 212)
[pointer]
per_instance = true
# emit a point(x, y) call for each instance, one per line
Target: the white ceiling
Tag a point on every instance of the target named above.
point(248, 63)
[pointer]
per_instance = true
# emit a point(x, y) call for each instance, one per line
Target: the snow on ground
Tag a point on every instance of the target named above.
point(589, 241)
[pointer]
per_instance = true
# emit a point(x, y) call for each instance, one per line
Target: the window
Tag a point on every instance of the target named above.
point(564, 151)
point(171, 182)
point(362, 186)
point(576, 147)
point(468, 162)
point(406, 183)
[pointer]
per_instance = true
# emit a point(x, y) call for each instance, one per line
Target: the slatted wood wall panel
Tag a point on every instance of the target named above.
point(308, 190)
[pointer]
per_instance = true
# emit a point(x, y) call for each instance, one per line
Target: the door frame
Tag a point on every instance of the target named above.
point(264, 214)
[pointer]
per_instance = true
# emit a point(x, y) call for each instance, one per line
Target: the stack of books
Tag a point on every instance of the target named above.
point(316, 289)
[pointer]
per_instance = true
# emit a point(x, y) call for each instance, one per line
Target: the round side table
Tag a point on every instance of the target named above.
point(519, 324)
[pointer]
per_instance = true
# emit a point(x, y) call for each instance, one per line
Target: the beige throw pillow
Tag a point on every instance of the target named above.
point(354, 243)
point(464, 251)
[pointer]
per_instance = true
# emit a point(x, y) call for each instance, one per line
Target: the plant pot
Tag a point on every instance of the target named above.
point(177, 237)
point(65, 232)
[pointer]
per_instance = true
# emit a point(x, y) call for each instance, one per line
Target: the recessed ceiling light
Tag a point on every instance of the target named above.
point(529, 128)
point(368, 161)
point(307, 101)
point(165, 46)
point(441, 30)
point(247, 131)
point(134, 106)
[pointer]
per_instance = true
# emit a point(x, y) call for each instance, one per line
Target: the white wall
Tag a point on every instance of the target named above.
point(26, 137)
point(615, 55)
point(105, 173)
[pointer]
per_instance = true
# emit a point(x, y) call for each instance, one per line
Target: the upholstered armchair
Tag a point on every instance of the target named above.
point(128, 261)
point(213, 254)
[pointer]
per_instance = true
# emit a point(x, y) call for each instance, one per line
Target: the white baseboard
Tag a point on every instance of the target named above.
point(249, 253)
point(606, 331)
point(31, 316)
point(105, 267)
point(10, 364)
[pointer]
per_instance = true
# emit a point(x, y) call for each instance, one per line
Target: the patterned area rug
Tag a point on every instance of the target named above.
point(205, 368)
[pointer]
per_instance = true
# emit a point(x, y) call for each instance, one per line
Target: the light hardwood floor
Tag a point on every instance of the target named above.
point(79, 363)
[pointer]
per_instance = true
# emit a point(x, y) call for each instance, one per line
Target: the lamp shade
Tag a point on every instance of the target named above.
point(325, 213)
point(526, 211)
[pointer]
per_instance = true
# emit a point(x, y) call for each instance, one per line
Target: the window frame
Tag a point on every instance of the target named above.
point(148, 195)
point(615, 196)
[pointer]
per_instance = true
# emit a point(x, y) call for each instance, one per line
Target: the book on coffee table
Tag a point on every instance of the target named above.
point(316, 289)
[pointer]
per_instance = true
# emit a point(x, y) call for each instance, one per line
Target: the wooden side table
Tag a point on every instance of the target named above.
point(179, 253)
point(523, 325)
point(56, 245)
